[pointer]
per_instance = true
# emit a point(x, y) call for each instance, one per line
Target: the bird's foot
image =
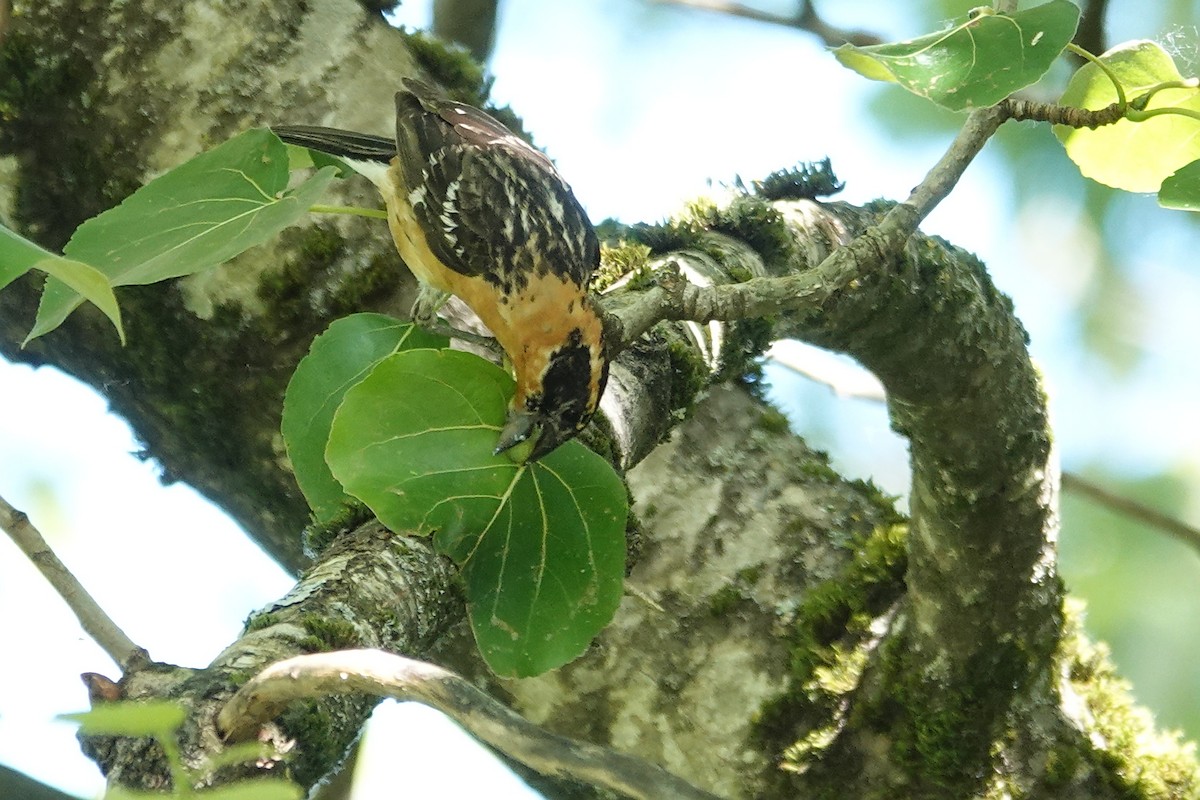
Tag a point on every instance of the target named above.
point(429, 301)
point(424, 314)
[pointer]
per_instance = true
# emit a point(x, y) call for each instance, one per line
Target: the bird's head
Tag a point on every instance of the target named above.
point(555, 404)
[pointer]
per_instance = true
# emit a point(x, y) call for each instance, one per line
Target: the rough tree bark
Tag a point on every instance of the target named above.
point(782, 635)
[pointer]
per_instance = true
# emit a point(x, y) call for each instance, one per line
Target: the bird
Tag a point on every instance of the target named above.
point(477, 212)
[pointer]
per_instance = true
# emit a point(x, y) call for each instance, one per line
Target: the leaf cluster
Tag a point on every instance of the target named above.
point(1151, 141)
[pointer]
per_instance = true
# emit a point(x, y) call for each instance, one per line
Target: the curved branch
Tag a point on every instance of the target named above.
point(374, 672)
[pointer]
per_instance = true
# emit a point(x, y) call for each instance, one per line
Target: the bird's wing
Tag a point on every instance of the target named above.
point(488, 204)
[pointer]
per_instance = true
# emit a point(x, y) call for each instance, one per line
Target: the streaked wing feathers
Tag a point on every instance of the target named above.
point(489, 204)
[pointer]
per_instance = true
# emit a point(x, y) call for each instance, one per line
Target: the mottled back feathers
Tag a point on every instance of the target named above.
point(488, 203)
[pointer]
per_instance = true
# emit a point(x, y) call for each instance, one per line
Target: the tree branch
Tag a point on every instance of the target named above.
point(858, 384)
point(806, 18)
point(95, 622)
point(1133, 509)
point(374, 672)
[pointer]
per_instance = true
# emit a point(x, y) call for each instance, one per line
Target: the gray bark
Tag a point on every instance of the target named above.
point(778, 637)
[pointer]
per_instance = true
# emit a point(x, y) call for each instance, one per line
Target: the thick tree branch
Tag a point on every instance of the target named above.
point(952, 356)
point(373, 672)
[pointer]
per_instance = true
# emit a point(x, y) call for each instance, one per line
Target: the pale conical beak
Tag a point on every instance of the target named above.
point(519, 436)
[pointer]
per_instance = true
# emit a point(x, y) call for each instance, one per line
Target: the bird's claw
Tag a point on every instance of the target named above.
point(425, 308)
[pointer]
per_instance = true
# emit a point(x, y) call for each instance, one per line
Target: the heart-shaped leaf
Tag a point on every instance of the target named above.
point(1134, 156)
point(541, 545)
point(339, 358)
point(18, 255)
point(203, 212)
point(980, 60)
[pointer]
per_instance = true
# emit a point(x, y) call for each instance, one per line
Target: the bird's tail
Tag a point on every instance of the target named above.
point(335, 142)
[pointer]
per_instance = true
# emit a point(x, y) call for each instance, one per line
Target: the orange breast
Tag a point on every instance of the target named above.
point(529, 324)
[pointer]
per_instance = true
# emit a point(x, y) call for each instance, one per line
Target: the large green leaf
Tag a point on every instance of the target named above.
point(194, 217)
point(1129, 155)
point(541, 545)
point(19, 255)
point(981, 59)
point(1182, 189)
point(545, 575)
point(339, 358)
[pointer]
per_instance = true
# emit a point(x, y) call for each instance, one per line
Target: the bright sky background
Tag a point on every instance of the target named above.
point(640, 104)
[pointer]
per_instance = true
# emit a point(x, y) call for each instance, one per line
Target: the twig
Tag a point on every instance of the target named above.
point(375, 672)
point(867, 387)
point(944, 176)
point(848, 381)
point(1055, 114)
point(1133, 509)
point(96, 623)
point(807, 292)
point(805, 19)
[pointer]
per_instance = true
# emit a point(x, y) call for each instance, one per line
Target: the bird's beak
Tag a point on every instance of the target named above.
point(519, 436)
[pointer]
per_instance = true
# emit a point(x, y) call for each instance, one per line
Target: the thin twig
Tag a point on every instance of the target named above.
point(949, 169)
point(1133, 509)
point(866, 387)
point(95, 622)
point(805, 19)
point(375, 672)
point(844, 380)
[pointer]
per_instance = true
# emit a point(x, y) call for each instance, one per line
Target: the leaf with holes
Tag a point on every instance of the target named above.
point(339, 358)
point(194, 217)
point(980, 60)
point(541, 546)
point(1134, 156)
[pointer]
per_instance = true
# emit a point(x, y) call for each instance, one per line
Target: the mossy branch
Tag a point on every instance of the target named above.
point(983, 610)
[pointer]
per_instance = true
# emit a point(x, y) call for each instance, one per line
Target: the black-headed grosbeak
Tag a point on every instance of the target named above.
point(477, 212)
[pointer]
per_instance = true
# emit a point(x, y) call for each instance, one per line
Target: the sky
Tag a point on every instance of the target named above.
point(642, 105)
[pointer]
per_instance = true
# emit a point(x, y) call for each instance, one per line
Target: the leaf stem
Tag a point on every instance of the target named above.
point(1141, 116)
point(1085, 55)
point(373, 213)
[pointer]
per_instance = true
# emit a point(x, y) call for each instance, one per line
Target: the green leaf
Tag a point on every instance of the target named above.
point(541, 546)
point(545, 575)
point(339, 358)
point(258, 789)
point(981, 59)
point(157, 718)
point(304, 158)
point(254, 789)
point(1129, 155)
point(419, 429)
point(18, 255)
point(194, 217)
point(1182, 189)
